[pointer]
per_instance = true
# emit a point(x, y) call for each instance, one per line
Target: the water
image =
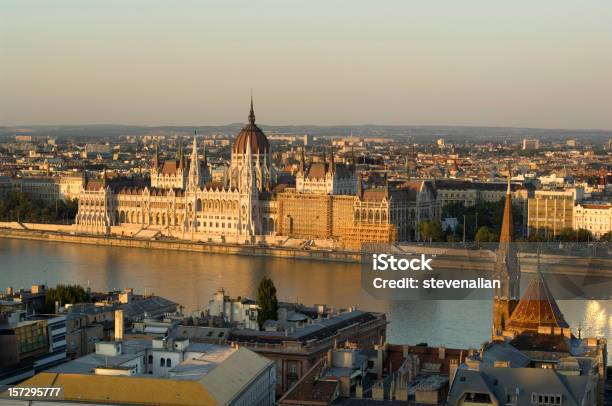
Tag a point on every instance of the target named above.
point(190, 279)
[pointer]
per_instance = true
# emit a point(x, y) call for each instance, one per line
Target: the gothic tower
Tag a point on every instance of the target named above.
point(248, 196)
point(507, 270)
point(194, 168)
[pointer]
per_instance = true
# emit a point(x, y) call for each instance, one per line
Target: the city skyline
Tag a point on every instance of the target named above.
point(136, 63)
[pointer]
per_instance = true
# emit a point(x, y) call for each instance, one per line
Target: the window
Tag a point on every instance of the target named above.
point(168, 362)
point(150, 359)
point(546, 399)
point(162, 362)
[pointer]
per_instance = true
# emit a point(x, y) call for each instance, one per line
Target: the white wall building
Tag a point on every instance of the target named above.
point(597, 218)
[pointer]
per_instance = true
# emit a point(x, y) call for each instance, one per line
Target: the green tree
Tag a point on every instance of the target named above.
point(607, 237)
point(20, 207)
point(65, 294)
point(570, 235)
point(267, 301)
point(431, 230)
point(537, 236)
point(484, 235)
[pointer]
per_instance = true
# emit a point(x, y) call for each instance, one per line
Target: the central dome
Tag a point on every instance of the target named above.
point(253, 135)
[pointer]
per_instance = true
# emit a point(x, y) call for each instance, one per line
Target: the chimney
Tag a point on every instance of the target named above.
point(118, 325)
point(452, 371)
point(57, 306)
point(441, 352)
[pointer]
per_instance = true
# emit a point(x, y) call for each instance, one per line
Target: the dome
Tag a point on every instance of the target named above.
point(253, 135)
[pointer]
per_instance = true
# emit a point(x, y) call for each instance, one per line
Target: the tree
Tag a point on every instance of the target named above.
point(267, 301)
point(431, 230)
point(482, 213)
point(484, 235)
point(65, 294)
point(537, 236)
point(570, 235)
point(607, 237)
point(20, 207)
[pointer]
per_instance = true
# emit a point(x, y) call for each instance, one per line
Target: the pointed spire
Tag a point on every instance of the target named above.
point(194, 150)
point(252, 112)
point(506, 229)
point(331, 160)
point(194, 165)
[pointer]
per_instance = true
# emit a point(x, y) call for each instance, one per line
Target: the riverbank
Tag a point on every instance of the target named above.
point(178, 245)
point(445, 258)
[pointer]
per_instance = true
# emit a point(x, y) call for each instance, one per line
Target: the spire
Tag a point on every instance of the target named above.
point(252, 112)
point(194, 165)
point(505, 236)
point(331, 160)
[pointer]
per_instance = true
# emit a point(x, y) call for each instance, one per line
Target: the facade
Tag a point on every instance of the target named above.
point(30, 345)
point(530, 144)
point(249, 205)
point(469, 193)
point(550, 211)
point(597, 218)
point(49, 189)
point(180, 200)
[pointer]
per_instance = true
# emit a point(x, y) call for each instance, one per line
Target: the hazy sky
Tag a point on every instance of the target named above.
point(533, 63)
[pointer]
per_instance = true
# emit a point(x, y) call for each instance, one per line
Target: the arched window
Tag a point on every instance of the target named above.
point(168, 362)
point(162, 362)
point(150, 359)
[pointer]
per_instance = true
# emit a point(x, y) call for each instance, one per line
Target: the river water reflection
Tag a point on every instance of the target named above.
point(191, 278)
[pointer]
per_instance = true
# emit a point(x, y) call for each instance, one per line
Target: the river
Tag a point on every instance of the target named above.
point(190, 279)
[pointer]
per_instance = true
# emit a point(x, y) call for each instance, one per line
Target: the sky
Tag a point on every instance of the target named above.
point(523, 63)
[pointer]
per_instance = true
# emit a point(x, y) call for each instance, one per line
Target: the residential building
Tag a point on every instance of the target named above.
point(530, 144)
point(297, 348)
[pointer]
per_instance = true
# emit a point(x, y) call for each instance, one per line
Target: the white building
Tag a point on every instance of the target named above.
point(597, 218)
point(242, 312)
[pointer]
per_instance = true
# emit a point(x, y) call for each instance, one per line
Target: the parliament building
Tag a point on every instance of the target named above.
point(326, 201)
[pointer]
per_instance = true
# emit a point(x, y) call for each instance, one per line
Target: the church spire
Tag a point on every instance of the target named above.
point(507, 271)
point(505, 236)
point(194, 165)
point(252, 112)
